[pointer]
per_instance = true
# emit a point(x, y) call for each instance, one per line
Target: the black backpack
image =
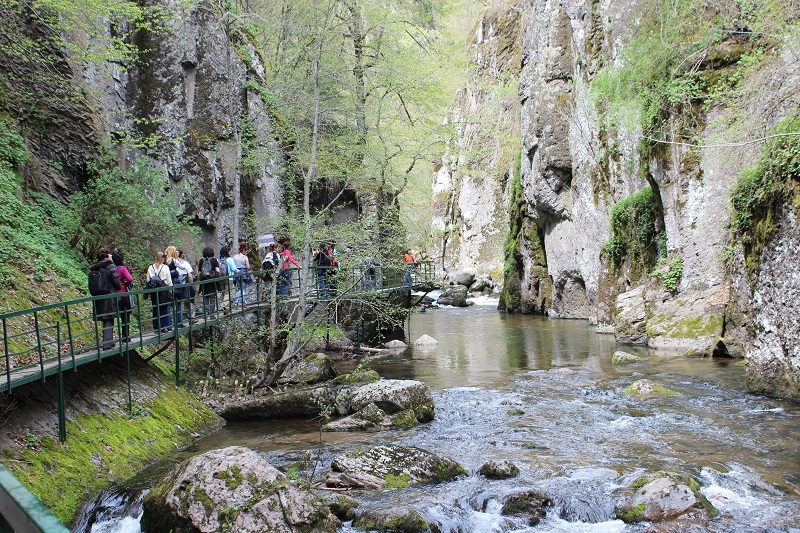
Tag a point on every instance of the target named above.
point(99, 282)
point(207, 270)
point(155, 282)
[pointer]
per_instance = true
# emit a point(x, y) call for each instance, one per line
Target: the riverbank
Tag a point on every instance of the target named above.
point(106, 443)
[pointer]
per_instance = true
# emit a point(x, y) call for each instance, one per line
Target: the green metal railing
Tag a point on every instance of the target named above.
point(22, 511)
point(44, 341)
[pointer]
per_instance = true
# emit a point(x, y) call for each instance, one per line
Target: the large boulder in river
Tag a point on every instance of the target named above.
point(300, 403)
point(462, 277)
point(529, 504)
point(232, 489)
point(624, 358)
point(391, 467)
point(313, 368)
point(666, 496)
point(426, 340)
point(384, 404)
point(503, 469)
point(646, 387)
point(455, 295)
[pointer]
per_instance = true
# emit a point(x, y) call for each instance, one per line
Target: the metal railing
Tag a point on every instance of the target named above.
point(43, 341)
point(21, 511)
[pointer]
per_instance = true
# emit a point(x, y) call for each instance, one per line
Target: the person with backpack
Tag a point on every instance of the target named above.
point(285, 282)
point(370, 273)
point(158, 277)
point(242, 264)
point(124, 303)
point(178, 294)
point(323, 260)
point(227, 268)
point(104, 279)
point(208, 269)
point(186, 273)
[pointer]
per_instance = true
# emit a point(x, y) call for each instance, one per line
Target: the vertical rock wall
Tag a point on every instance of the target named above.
point(471, 186)
point(194, 95)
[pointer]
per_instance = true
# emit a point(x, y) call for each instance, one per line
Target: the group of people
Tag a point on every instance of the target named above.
point(170, 269)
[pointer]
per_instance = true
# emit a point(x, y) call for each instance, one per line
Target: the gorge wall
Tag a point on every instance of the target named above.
point(633, 233)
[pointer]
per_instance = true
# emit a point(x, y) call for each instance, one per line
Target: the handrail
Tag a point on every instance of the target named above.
point(31, 347)
point(20, 510)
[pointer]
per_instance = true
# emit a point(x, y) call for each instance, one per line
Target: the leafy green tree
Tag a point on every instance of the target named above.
point(133, 209)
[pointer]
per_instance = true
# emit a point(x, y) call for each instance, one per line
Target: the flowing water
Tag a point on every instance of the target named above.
point(574, 435)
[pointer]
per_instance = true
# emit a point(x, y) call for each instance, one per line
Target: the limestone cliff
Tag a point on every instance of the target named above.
point(471, 185)
point(191, 99)
point(682, 281)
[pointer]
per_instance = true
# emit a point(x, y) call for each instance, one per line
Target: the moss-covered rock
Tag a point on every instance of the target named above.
point(395, 465)
point(666, 496)
point(646, 387)
point(530, 505)
point(233, 489)
point(499, 470)
point(394, 520)
point(624, 358)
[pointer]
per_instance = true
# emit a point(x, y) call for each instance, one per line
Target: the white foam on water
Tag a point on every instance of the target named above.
point(490, 301)
point(129, 524)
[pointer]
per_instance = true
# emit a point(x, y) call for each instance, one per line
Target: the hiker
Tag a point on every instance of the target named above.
point(178, 294)
point(285, 282)
point(186, 273)
point(227, 268)
point(270, 265)
point(323, 260)
point(242, 264)
point(104, 279)
point(158, 276)
point(409, 262)
point(370, 274)
point(125, 301)
point(208, 269)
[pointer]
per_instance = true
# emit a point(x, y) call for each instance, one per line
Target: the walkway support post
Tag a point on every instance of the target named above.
point(62, 418)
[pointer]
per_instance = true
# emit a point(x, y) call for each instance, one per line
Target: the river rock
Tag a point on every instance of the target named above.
point(392, 396)
point(530, 505)
point(395, 345)
point(373, 417)
point(631, 319)
point(666, 496)
point(455, 295)
point(645, 387)
point(426, 340)
point(499, 470)
point(300, 403)
point(391, 466)
point(341, 505)
point(233, 488)
point(313, 368)
point(624, 358)
point(463, 277)
point(394, 520)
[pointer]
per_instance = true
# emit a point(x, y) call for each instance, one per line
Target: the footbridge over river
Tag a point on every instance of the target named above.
point(44, 342)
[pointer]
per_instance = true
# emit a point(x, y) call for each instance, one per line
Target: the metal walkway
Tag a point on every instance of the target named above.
point(44, 341)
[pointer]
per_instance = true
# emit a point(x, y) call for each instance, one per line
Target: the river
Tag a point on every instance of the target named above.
point(574, 435)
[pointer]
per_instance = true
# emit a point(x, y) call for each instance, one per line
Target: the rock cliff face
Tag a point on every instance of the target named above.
point(194, 104)
point(198, 96)
point(471, 185)
point(574, 171)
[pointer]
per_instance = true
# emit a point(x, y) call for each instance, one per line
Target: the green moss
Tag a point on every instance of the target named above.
point(411, 522)
point(633, 231)
point(703, 503)
point(515, 412)
point(232, 477)
point(405, 419)
point(766, 188)
point(445, 471)
point(401, 481)
point(122, 445)
point(635, 514)
point(357, 377)
point(688, 328)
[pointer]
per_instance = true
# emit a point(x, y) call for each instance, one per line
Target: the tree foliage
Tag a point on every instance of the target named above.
point(134, 210)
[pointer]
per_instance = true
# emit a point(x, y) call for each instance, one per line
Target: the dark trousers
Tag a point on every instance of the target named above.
point(162, 317)
point(124, 307)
